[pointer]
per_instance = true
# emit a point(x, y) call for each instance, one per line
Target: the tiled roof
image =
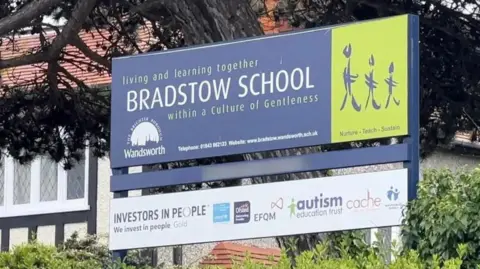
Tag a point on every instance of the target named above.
point(227, 254)
point(94, 40)
point(27, 44)
point(268, 22)
point(22, 75)
point(465, 136)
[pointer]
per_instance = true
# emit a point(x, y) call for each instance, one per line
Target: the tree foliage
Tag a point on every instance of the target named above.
point(445, 215)
point(56, 112)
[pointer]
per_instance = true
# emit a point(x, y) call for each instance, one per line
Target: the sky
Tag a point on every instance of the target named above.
point(51, 21)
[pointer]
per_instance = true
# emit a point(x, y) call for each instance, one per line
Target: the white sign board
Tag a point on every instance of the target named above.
point(274, 209)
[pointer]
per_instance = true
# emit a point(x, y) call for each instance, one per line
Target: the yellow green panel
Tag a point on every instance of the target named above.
point(370, 80)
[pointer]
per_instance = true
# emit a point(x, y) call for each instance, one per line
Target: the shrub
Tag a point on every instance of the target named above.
point(320, 259)
point(445, 215)
point(88, 248)
point(75, 253)
point(38, 256)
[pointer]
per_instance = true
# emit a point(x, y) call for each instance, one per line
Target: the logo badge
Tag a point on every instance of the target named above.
point(393, 194)
point(293, 208)
point(144, 139)
point(144, 131)
point(277, 204)
point(242, 212)
point(315, 206)
point(221, 213)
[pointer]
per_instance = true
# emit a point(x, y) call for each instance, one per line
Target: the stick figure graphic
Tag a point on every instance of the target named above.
point(348, 80)
point(292, 207)
point(392, 194)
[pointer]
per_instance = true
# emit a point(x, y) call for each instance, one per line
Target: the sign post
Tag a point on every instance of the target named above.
point(315, 87)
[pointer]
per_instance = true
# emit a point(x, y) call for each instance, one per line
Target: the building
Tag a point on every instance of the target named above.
point(44, 199)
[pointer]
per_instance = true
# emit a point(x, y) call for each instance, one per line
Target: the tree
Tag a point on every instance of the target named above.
point(449, 55)
point(57, 110)
point(40, 117)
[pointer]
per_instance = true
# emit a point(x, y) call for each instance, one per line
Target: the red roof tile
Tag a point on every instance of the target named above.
point(27, 44)
point(26, 74)
point(227, 254)
point(269, 25)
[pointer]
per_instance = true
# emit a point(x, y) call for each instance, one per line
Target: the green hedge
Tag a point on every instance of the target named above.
point(38, 256)
point(319, 259)
point(75, 253)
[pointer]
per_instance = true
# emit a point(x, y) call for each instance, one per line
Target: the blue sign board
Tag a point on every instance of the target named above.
point(220, 100)
point(293, 90)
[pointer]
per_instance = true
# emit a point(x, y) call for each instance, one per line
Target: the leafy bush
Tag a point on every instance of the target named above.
point(38, 256)
point(75, 253)
point(445, 215)
point(320, 259)
point(90, 248)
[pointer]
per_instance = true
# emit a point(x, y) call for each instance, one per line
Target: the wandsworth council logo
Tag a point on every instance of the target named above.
point(144, 139)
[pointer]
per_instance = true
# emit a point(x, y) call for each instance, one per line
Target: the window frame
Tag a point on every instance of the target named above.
point(36, 206)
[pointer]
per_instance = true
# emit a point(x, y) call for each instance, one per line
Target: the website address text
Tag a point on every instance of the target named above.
point(233, 143)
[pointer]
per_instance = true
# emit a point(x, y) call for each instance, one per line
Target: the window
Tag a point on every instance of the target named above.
point(21, 183)
point(48, 180)
point(42, 187)
point(76, 181)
